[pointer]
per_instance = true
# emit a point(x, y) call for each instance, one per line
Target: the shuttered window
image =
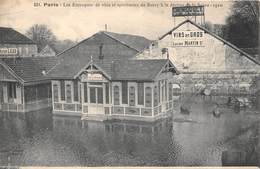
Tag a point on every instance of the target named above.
point(62, 90)
point(68, 93)
point(148, 97)
point(132, 96)
point(116, 95)
point(55, 93)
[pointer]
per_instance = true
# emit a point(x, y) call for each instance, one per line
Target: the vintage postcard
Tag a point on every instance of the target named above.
point(136, 83)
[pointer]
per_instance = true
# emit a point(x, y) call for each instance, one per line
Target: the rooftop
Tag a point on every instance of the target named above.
point(114, 47)
point(30, 69)
point(11, 36)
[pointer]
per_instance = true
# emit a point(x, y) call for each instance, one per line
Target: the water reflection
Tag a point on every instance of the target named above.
point(195, 138)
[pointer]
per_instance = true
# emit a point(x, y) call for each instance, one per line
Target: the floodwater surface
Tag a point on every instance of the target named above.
point(202, 131)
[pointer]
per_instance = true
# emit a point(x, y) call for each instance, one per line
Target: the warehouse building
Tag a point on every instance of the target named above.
point(204, 59)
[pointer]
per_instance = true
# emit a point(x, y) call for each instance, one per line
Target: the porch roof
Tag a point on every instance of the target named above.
point(131, 70)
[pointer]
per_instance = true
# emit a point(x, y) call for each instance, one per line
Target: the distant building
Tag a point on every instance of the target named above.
point(23, 84)
point(194, 49)
point(203, 57)
point(15, 44)
point(47, 51)
point(98, 79)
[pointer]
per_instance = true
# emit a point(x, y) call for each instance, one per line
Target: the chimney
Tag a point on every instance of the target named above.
point(101, 56)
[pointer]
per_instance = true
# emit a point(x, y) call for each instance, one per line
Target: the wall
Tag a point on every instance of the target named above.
point(218, 83)
point(24, 50)
point(211, 55)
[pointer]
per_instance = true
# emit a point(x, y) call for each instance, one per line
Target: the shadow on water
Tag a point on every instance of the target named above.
point(190, 139)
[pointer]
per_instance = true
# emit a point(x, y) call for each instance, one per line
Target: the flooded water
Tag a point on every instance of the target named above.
point(212, 131)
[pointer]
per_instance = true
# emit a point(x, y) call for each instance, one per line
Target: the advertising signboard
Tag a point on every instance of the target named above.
point(188, 11)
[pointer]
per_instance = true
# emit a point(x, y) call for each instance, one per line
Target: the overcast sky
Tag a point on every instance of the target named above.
point(77, 23)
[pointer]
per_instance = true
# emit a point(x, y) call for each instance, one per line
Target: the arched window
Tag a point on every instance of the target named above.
point(148, 97)
point(55, 93)
point(116, 96)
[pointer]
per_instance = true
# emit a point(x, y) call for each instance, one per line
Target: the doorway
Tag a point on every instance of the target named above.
point(96, 98)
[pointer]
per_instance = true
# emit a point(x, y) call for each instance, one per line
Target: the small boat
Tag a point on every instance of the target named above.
point(185, 109)
point(216, 112)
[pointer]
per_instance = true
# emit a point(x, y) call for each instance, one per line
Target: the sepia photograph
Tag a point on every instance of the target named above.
point(129, 83)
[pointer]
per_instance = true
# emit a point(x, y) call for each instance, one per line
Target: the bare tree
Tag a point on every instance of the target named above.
point(41, 35)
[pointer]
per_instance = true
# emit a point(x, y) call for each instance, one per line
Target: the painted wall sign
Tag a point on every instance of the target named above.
point(188, 11)
point(188, 38)
point(95, 76)
point(8, 51)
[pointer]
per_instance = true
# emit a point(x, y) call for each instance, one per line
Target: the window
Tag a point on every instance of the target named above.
point(55, 93)
point(62, 90)
point(148, 97)
point(166, 90)
point(85, 92)
point(159, 92)
point(11, 90)
point(68, 93)
point(140, 93)
point(76, 91)
point(92, 95)
point(132, 96)
point(107, 93)
point(116, 95)
point(124, 93)
point(155, 96)
point(99, 95)
point(163, 91)
point(170, 91)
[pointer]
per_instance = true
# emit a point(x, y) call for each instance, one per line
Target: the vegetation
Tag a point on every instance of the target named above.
point(42, 35)
point(241, 26)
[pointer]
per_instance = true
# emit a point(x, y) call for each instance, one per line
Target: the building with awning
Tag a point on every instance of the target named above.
point(97, 79)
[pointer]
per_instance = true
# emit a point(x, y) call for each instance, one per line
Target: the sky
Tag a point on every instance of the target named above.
point(77, 23)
